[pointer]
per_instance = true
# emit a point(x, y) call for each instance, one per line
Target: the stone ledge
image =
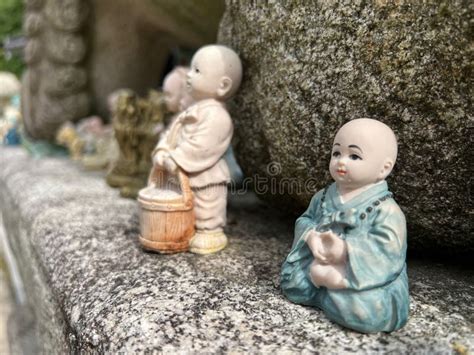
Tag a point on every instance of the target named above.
point(93, 289)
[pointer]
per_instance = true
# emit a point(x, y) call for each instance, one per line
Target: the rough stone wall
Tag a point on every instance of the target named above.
point(311, 66)
point(55, 83)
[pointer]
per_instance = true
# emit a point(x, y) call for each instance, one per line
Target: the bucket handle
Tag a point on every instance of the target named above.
point(156, 178)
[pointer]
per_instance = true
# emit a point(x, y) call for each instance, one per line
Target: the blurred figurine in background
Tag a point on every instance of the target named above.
point(10, 116)
point(198, 139)
point(67, 137)
point(176, 96)
point(90, 142)
point(100, 146)
point(349, 250)
point(137, 123)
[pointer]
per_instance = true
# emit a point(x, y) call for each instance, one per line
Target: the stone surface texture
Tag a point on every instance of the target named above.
point(94, 290)
point(310, 67)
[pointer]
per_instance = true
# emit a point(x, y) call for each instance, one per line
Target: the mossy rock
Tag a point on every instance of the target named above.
point(309, 68)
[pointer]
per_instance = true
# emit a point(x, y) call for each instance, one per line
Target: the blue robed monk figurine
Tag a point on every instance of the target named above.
point(348, 254)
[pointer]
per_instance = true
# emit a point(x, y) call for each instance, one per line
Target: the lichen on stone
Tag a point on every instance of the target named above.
point(310, 67)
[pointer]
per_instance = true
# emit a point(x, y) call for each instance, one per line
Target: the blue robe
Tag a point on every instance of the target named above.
point(374, 229)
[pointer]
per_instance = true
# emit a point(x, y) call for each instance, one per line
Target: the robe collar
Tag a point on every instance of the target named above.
point(205, 103)
point(363, 198)
point(192, 112)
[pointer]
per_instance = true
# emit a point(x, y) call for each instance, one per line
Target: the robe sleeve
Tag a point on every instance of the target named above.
point(378, 257)
point(163, 142)
point(294, 281)
point(307, 220)
point(162, 145)
point(202, 149)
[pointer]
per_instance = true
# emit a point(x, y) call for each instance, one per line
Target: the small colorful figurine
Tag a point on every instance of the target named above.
point(100, 147)
point(9, 87)
point(68, 137)
point(198, 139)
point(348, 254)
point(90, 142)
point(10, 117)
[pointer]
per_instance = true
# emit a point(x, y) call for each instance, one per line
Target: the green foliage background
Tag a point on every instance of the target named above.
point(11, 12)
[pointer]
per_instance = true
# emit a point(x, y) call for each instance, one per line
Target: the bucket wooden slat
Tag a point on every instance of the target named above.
point(166, 225)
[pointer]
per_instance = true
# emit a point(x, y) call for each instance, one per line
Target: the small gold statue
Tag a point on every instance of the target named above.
point(137, 123)
point(67, 137)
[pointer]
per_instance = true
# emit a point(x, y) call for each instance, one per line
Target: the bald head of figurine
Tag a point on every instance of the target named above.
point(363, 153)
point(174, 89)
point(216, 73)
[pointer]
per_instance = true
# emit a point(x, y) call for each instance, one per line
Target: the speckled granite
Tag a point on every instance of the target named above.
point(94, 290)
point(311, 66)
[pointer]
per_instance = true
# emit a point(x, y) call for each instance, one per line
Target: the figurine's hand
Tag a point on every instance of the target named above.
point(330, 276)
point(159, 158)
point(313, 239)
point(170, 165)
point(334, 248)
point(309, 235)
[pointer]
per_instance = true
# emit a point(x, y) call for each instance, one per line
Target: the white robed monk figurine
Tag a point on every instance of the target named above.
point(198, 139)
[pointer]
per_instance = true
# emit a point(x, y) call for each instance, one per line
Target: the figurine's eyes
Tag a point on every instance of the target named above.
point(336, 154)
point(355, 157)
point(197, 70)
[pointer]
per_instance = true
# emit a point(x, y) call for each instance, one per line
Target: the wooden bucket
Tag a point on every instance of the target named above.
point(166, 223)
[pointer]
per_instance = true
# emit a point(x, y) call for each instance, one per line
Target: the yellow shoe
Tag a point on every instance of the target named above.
point(204, 242)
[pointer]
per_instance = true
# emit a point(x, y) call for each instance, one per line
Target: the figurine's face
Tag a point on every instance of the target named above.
point(360, 156)
point(172, 89)
point(205, 75)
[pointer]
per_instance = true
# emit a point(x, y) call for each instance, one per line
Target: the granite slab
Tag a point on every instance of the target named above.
point(92, 289)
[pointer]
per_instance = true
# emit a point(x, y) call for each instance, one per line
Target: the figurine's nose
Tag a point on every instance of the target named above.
point(342, 161)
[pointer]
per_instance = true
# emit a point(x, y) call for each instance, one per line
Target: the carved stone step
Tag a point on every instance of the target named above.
point(94, 290)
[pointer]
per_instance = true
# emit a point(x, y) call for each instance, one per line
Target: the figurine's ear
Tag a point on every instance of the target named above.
point(225, 85)
point(386, 169)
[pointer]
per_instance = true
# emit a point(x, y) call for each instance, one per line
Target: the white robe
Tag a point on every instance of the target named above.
point(197, 141)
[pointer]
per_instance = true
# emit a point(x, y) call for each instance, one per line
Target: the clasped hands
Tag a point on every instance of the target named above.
point(330, 254)
point(327, 247)
point(163, 159)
